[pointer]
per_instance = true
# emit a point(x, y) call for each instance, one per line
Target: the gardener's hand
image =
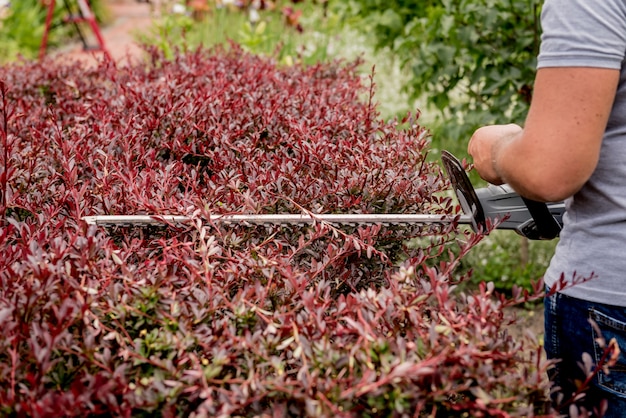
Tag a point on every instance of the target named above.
point(484, 146)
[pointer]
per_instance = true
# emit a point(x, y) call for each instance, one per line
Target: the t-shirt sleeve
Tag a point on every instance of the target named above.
point(583, 33)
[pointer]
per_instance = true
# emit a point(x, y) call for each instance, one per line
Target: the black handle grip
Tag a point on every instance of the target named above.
point(546, 227)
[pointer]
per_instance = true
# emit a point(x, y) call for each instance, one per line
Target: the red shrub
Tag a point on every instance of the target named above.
point(206, 320)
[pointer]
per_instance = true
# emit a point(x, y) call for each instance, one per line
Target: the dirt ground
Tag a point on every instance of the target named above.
point(528, 320)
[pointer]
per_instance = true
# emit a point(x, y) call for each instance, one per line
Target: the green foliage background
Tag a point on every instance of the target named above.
point(471, 60)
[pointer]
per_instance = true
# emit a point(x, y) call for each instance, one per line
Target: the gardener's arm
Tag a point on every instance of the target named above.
point(558, 149)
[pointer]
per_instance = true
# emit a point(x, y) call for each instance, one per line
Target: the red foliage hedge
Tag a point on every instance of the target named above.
point(209, 320)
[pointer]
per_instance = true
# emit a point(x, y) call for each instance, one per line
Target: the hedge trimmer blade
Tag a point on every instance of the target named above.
point(491, 205)
point(281, 219)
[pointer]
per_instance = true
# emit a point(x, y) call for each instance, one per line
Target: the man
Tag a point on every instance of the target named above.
point(573, 147)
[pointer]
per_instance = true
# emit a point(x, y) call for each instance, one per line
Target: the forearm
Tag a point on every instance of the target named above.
point(558, 149)
point(533, 170)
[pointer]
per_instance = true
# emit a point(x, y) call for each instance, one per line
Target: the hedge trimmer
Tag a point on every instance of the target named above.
point(531, 219)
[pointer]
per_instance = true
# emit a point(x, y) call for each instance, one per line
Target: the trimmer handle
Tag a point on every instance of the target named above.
point(529, 218)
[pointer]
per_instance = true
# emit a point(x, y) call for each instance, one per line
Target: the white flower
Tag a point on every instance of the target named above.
point(179, 9)
point(254, 16)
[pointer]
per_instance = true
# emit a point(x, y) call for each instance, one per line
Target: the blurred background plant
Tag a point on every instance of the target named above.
point(22, 25)
point(21, 29)
point(261, 27)
point(472, 62)
point(502, 259)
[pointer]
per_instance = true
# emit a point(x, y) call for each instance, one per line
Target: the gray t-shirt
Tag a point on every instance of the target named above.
point(590, 33)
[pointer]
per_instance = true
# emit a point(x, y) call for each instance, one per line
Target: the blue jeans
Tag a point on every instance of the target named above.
point(569, 334)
